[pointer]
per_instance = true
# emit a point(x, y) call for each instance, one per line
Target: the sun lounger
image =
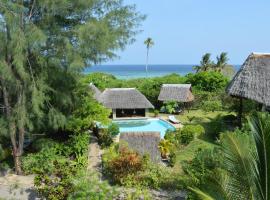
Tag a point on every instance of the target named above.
point(173, 119)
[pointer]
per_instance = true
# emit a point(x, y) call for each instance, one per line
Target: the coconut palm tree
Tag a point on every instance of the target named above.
point(149, 43)
point(246, 170)
point(222, 60)
point(205, 63)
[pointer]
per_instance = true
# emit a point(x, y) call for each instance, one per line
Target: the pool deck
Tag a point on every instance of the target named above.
point(177, 126)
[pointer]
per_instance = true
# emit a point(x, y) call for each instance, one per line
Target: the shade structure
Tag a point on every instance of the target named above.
point(252, 81)
point(124, 98)
point(176, 92)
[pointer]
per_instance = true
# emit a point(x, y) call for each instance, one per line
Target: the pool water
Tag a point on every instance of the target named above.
point(138, 125)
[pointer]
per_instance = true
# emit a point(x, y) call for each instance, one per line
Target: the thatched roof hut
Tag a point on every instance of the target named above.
point(252, 81)
point(143, 143)
point(124, 102)
point(124, 98)
point(95, 91)
point(176, 92)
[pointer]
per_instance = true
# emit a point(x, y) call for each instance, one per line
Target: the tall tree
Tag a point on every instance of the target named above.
point(44, 46)
point(222, 62)
point(205, 63)
point(149, 43)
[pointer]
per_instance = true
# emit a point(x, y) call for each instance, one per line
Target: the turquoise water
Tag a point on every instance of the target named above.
point(136, 125)
point(138, 71)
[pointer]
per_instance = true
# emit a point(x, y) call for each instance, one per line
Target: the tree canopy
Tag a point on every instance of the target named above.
point(44, 46)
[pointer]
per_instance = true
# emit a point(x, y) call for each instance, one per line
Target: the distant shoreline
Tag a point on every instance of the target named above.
point(138, 71)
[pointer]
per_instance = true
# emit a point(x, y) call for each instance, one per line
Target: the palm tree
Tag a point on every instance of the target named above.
point(221, 62)
point(246, 171)
point(205, 63)
point(149, 43)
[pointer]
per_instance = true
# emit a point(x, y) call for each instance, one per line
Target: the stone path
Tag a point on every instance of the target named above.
point(94, 156)
point(17, 187)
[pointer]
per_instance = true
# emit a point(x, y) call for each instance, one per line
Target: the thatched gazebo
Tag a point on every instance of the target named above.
point(176, 92)
point(124, 102)
point(143, 143)
point(252, 81)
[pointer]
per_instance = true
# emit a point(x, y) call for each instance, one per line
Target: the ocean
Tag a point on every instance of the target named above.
point(138, 71)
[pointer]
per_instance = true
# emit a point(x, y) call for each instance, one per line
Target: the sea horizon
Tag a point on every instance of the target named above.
point(132, 71)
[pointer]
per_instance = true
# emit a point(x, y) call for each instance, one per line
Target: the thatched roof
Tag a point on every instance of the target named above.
point(143, 143)
point(124, 98)
point(176, 92)
point(252, 81)
point(95, 91)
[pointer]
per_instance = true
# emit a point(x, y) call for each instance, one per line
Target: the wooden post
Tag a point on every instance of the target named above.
point(114, 113)
point(240, 112)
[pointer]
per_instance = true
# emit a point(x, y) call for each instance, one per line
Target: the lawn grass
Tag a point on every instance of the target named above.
point(199, 116)
point(187, 153)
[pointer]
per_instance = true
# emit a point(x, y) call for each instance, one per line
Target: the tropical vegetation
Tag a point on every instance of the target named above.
point(48, 112)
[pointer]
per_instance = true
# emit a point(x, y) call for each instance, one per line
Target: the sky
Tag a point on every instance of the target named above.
point(183, 30)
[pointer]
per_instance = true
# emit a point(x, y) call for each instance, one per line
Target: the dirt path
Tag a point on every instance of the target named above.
point(94, 156)
point(17, 187)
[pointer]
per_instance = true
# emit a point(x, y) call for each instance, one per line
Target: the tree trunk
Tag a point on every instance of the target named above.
point(16, 147)
point(240, 112)
point(146, 66)
point(17, 161)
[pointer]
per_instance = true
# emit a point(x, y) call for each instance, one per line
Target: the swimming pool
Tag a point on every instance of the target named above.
point(138, 125)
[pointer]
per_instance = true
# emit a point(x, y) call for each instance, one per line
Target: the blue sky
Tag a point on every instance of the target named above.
point(183, 30)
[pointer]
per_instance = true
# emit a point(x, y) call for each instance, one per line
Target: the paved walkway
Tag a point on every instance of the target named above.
point(94, 156)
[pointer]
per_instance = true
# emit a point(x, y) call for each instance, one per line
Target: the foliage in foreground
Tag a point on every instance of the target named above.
point(133, 170)
point(88, 186)
point(185, 135)
point(44, 46)
point(73, 151)
point(245, 170)
point(56, 165)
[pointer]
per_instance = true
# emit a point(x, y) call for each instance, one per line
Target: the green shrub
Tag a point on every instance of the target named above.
point(201, 168)
point(170, 136)
point(170, 107)
point(126, 163)
point(105, 139)
point(208, 81)
point(58, 186)
point(211, 106)
point(4, 153)
point(113, 129)
point(156, 112)
point(78, 144)
point(216, 126)
point(189, 132)
point(88, 186)
point(172, 159)
point(149, 175)
point(186, 137)
point(41, 161)
point(76, 148)
point(165, 147)
point(155, 176)
point(43, 143)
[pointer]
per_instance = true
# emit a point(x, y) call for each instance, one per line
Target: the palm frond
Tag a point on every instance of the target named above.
point(202, 195)
point(260, 127)
point(239, 164)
